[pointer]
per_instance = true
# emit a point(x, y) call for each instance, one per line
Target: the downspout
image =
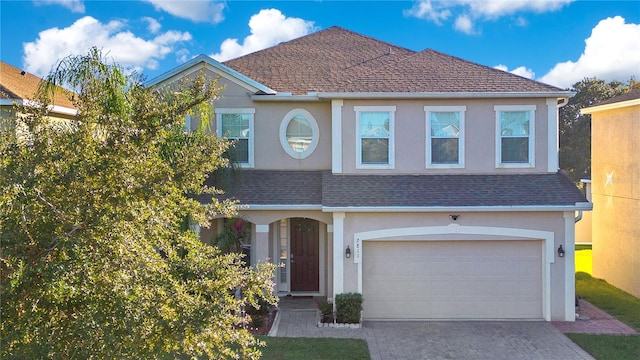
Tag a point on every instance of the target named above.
point(579, 217)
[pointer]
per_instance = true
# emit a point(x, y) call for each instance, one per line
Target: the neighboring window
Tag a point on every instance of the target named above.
point(237, 125)
point(299, 133)
point(445, 140)
point(515, 135)
point(375, 147)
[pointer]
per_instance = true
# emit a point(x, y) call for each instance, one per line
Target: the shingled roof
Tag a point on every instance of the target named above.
point(16, 84)
point(322, 188)
point(339, 60)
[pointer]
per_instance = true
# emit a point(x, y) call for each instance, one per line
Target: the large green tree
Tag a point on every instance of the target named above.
point(95, 261)
point(575, 128)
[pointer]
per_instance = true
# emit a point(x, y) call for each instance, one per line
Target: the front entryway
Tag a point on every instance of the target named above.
point(305, 255)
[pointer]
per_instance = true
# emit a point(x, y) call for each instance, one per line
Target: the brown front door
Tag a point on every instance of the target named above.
point(304, 255)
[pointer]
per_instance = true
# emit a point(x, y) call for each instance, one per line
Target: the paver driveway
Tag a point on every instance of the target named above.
point(442, 339)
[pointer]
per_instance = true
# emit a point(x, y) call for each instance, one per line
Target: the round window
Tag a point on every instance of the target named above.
point(299, 133)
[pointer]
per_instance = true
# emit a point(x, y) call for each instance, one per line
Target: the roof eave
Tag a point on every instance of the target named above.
point(612, 106)
point(584, 206)
point(411, 95)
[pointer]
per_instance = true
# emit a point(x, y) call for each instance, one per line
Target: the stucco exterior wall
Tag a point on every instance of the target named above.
point(410, 135)
point(615, 175)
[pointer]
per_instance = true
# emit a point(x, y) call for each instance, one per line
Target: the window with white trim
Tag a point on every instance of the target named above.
point(299, 133)
point(237, 125)
point(375, 143)
point(515, 145)
point(445, 136)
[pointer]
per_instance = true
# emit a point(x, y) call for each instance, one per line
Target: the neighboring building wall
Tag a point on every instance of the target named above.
point(615, 175)
point(584, 226)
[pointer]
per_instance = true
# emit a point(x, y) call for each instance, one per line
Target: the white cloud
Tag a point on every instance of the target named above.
point(197, 11)
point(425, 9)
point(152, 24)
point(268, 27)
point(497, 8)
point(521, 71)
point(612, 52)
point(464, 24)
point(117, 43)
point(467, 12)
point(76, 6)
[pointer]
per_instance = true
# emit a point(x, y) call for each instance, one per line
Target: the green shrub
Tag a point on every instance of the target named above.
point(348, 308)
point(326, 309)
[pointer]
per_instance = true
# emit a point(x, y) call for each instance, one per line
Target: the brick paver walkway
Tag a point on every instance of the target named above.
point(595, 321)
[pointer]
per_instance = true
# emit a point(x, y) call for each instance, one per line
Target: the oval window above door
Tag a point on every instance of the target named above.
point(299, 133)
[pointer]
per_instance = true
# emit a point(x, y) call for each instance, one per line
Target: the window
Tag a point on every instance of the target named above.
point(445, 136)
point(515, 135)
point(299, 133)
point(374, 146)
point(237, 125)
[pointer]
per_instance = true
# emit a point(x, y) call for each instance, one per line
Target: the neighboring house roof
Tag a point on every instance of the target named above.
point(322, 188)
point(631, 98)
point(16, 84)
point(339, 60)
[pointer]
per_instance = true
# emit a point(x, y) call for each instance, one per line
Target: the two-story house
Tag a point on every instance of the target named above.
point(426, 182)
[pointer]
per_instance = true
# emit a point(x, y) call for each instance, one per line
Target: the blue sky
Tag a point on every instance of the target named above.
point(555, 41)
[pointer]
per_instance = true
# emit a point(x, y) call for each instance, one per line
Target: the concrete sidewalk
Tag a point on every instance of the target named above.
point(500, 340)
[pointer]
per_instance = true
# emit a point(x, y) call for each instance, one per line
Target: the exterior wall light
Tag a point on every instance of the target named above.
point(454, 217)
point(560, 251)
point(347, 252)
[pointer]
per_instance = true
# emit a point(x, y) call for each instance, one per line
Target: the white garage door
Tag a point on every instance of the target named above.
point(452, 279)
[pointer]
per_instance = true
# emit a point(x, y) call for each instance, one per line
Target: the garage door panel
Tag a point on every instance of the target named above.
point(452, 279)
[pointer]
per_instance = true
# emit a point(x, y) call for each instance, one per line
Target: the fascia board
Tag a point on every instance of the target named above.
point(586, 206)
point(51, 108)
point(218, 67)
point(413, 95)
point(303, 207)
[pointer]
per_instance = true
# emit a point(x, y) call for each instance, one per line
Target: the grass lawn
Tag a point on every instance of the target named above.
point(314, 348)
point(615, 302)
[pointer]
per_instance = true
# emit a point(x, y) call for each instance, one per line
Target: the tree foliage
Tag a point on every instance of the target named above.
point(575, 128)
point(94, 262)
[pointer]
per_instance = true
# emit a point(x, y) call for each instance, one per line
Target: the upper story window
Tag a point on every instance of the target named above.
point(237, 125)
point(375, 143)
point(299, 133)
point(515, 135)
point(445, 136)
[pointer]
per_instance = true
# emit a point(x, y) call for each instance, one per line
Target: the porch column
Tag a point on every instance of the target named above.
point(338, 253)
point(261, 244)
point(569, 266)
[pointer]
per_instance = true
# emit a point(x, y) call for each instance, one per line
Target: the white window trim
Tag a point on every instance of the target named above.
point(251, 111)
point(392, 111)
point(532, 135)
point(430, 109)
point(315, 130)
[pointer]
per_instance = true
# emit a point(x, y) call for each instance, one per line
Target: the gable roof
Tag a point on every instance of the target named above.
point(337, 60)
point(385, 192)
point(16, 84)
point(204, 61)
